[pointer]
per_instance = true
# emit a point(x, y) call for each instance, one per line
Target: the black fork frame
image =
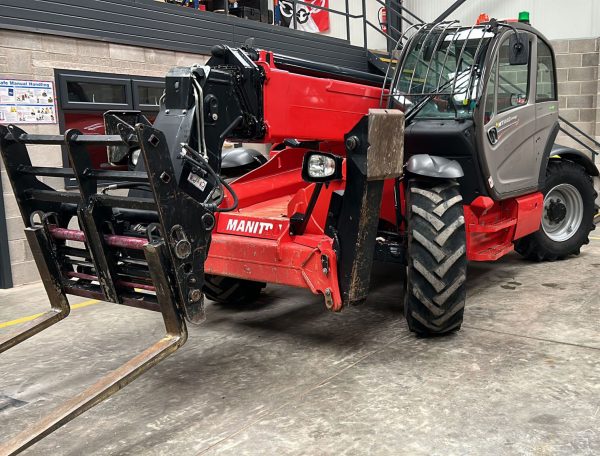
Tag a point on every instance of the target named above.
point(171, 257)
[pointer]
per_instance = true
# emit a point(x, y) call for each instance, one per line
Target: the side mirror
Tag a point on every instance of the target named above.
point(518, 45)
point(321, 167)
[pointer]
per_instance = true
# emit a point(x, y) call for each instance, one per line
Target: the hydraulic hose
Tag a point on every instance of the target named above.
point(203, 164)
point(199, 97)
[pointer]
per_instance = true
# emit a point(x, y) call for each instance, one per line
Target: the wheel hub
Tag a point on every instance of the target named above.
point(563, 212)
point(557, 211)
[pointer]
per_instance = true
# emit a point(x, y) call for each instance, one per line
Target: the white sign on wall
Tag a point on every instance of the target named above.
point(27, 102)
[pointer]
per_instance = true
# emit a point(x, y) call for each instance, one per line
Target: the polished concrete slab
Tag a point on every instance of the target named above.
point(285, 376)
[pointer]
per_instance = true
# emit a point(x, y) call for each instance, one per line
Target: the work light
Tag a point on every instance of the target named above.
point(321, 167)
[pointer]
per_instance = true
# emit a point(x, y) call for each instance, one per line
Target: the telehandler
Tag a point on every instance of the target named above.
point(451, 159)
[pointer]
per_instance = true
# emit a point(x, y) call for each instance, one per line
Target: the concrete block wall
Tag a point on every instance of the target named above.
point(31, 56)
point(578, 63)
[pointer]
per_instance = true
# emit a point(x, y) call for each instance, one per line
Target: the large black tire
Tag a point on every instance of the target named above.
point(540, 245)
point(229, 290)
point(437, 265)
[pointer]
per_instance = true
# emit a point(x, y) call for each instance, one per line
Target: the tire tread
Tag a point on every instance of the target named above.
point(435, 297)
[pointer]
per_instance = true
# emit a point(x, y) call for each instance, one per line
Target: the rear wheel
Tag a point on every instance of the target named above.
point(437, 266)
point(568, 217)
point(229, 290)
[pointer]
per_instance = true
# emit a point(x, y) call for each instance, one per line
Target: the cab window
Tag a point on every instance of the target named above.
point(545, 86)
point(490, 94)
point(513, 80)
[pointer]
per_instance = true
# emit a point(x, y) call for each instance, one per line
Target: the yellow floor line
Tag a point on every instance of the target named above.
point(18, 321)
point(595, 238)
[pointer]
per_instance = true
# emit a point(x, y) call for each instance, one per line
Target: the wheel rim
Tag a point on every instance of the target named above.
point(563, 212)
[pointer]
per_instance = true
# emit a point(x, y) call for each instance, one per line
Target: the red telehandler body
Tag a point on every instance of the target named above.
point(450, 159)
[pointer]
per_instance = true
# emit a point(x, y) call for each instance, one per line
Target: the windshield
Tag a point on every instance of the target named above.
point(440, 72)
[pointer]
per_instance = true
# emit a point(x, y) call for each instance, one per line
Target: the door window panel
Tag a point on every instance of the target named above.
point(91, 92)
point(149, 95)
point(513, 80)
point(85, 96)
point(490, 95)
point(545, 86)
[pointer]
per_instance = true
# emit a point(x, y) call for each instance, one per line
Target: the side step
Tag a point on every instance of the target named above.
point(492, 253)
point(493, 227)
point(142, 252)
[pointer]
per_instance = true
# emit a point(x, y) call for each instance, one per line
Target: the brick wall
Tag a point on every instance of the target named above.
point(577, 64)
point(35, 56)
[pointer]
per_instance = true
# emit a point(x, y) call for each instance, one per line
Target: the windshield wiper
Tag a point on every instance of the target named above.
point(416, 108)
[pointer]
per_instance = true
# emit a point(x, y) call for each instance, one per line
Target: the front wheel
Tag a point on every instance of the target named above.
point(437, 264)
point(568, 216)
point(229, 290)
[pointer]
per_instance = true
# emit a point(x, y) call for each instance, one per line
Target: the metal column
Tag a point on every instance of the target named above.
point(5, 269)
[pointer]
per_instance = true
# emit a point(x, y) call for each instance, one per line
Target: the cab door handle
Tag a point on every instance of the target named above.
point(493, 135)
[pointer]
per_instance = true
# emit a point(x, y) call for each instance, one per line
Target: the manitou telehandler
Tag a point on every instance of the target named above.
point(451, 159)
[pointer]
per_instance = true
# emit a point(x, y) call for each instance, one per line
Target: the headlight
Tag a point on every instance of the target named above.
point(135, 156)
point(321, 167)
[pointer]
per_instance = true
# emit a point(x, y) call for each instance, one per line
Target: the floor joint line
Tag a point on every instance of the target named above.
point(541, 339)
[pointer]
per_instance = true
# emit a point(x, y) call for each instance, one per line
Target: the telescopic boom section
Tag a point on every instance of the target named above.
point(247, 96)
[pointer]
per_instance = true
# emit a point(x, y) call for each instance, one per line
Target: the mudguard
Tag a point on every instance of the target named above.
point(434, 166)
point(576, 156)
point(240, 157)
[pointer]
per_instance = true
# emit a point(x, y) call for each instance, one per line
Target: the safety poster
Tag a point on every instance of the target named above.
point(27, 102)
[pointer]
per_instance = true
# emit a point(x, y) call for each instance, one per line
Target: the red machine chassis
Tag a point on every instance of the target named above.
point(254, 242)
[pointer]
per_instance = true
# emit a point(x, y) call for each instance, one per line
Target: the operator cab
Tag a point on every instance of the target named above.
point(484, 96)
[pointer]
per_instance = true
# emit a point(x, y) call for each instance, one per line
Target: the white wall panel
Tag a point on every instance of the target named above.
point(557, 19)
point(338, 25)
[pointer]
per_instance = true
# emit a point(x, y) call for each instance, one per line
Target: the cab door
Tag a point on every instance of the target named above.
point(546, 104)
point(509, 122)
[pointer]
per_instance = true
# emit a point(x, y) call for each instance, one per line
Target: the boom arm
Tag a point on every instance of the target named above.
point(244, 96)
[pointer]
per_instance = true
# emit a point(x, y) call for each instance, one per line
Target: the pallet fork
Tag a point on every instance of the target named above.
point(156, 272)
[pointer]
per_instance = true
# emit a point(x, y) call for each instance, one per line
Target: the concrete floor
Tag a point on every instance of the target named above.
point(288, 377)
